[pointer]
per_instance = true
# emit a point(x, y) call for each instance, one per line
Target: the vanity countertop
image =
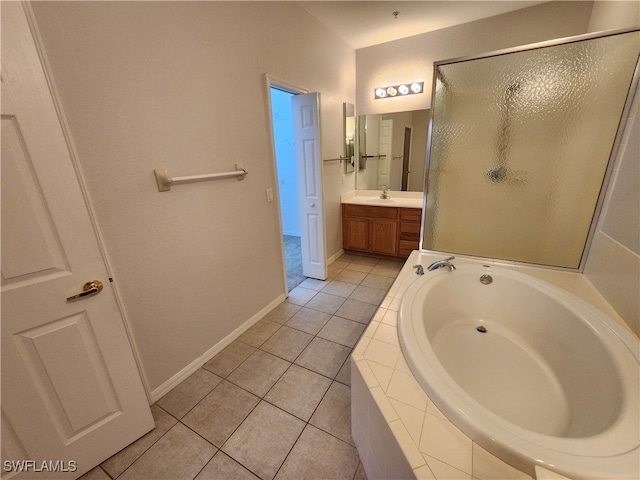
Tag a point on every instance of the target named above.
point(372, 197)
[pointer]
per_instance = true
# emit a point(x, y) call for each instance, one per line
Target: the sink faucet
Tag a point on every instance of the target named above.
point(446, 263)
point(385, 193)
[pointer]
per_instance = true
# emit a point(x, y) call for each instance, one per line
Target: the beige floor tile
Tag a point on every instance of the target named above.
point(122, 460)
point(300, 296)
point(287, 343)
point(341, 289)
point(323, 357)
point(334, 270)
point(368, 294)
point(95, 474)
point(344, 375)
point(333, 415)
point(313, 284)
point(342, 331)
point(223, 467)
point(185, 396)
point(259, 333)
point(357, 310)
point(318, 455)
point(259, 372)
point(308, 320)
point(351, 276)
point(360, 473)
point(326, 303)
point(283, 312)
point(364, 260)
point(299, 391)
point(378, 281)
point(264, 439)
point(390, 269)
point(359, 267)
point(229, 358)
point(218, 414)
point(179, 455)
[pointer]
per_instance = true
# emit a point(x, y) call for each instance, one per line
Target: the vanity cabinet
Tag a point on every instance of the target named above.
point(409, 231)
point(387, 231)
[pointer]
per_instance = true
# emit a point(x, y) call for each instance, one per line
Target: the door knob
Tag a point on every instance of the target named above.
point(313, 205)
point(88, 289)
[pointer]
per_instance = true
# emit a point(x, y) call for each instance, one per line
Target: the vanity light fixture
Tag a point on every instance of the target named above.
point(399, 90)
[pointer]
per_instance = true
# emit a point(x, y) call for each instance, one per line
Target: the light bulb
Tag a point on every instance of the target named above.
point(403, 89)
point(392, 91)
point(416, 87)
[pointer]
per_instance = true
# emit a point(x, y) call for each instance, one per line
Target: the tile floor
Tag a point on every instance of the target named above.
point(275, 403)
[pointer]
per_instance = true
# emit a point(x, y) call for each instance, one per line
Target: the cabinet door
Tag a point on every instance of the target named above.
point(356, 233)
point(384, 236)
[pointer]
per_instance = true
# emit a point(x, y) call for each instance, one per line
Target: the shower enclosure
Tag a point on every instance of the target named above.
point(519, 147)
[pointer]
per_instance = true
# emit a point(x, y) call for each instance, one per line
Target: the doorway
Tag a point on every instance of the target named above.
point(283, 140)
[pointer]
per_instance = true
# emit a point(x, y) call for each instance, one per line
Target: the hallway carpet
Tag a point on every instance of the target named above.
point(293, 260)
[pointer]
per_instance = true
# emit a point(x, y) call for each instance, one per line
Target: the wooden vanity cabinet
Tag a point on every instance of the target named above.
point(387, 231)
point(409, 231)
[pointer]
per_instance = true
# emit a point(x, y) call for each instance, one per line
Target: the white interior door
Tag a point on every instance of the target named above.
point(386, 151)
point(71, 392)
point(306, 127)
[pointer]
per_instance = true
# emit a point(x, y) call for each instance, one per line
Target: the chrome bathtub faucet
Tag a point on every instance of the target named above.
point(419, 269)
point(446, 263)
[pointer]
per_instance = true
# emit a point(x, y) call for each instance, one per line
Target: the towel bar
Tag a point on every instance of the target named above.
point(164, 181)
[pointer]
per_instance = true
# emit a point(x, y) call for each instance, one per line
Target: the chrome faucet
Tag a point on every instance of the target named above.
point(385, 193)
point(419, 269)
point(446, 263)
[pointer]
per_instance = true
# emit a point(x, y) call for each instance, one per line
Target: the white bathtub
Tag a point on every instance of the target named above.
point(551, 382)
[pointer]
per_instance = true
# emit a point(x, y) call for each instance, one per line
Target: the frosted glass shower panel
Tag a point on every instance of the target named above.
point(520, 146)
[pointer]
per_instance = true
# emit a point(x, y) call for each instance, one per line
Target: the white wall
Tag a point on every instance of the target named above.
point(411, 59)
point(181, 85)
point(610, 14)
point(613, 262)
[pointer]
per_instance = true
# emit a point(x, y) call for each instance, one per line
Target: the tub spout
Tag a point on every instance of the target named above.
point(446, 263)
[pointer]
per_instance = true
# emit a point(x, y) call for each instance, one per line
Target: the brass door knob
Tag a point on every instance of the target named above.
point(88, 289)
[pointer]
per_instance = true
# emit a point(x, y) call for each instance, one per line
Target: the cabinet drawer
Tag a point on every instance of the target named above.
point(405, 247)
point(411, 214)
point(390, 213)
point(409, 227)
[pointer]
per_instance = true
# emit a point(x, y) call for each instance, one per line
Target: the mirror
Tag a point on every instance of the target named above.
point(392, 151)
point(349, 134)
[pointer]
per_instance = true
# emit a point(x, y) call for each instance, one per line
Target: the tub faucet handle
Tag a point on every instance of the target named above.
point(446, 263)
point(419, 269)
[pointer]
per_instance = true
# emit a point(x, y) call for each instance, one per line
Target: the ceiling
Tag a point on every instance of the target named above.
point(365, 23)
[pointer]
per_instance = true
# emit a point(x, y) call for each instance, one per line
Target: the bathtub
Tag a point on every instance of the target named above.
point(528, 371)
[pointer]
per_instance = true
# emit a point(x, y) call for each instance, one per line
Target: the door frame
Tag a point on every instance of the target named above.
point(275, 82)
point(73, 154)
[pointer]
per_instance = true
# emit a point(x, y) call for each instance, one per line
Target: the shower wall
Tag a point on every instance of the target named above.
point(520, 145)
point(613, 265)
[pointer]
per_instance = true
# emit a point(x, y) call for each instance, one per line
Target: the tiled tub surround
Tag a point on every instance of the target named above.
point(398, 431)
point(275, 403)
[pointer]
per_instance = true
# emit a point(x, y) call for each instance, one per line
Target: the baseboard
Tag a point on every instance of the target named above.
point(335, 256)
point(167, 386)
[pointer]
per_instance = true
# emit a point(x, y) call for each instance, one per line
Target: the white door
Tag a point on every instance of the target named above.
point(306, 128)
point(71, 392)
point(386, 138)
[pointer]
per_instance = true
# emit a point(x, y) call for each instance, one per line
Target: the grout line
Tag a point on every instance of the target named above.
point(291, 363)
